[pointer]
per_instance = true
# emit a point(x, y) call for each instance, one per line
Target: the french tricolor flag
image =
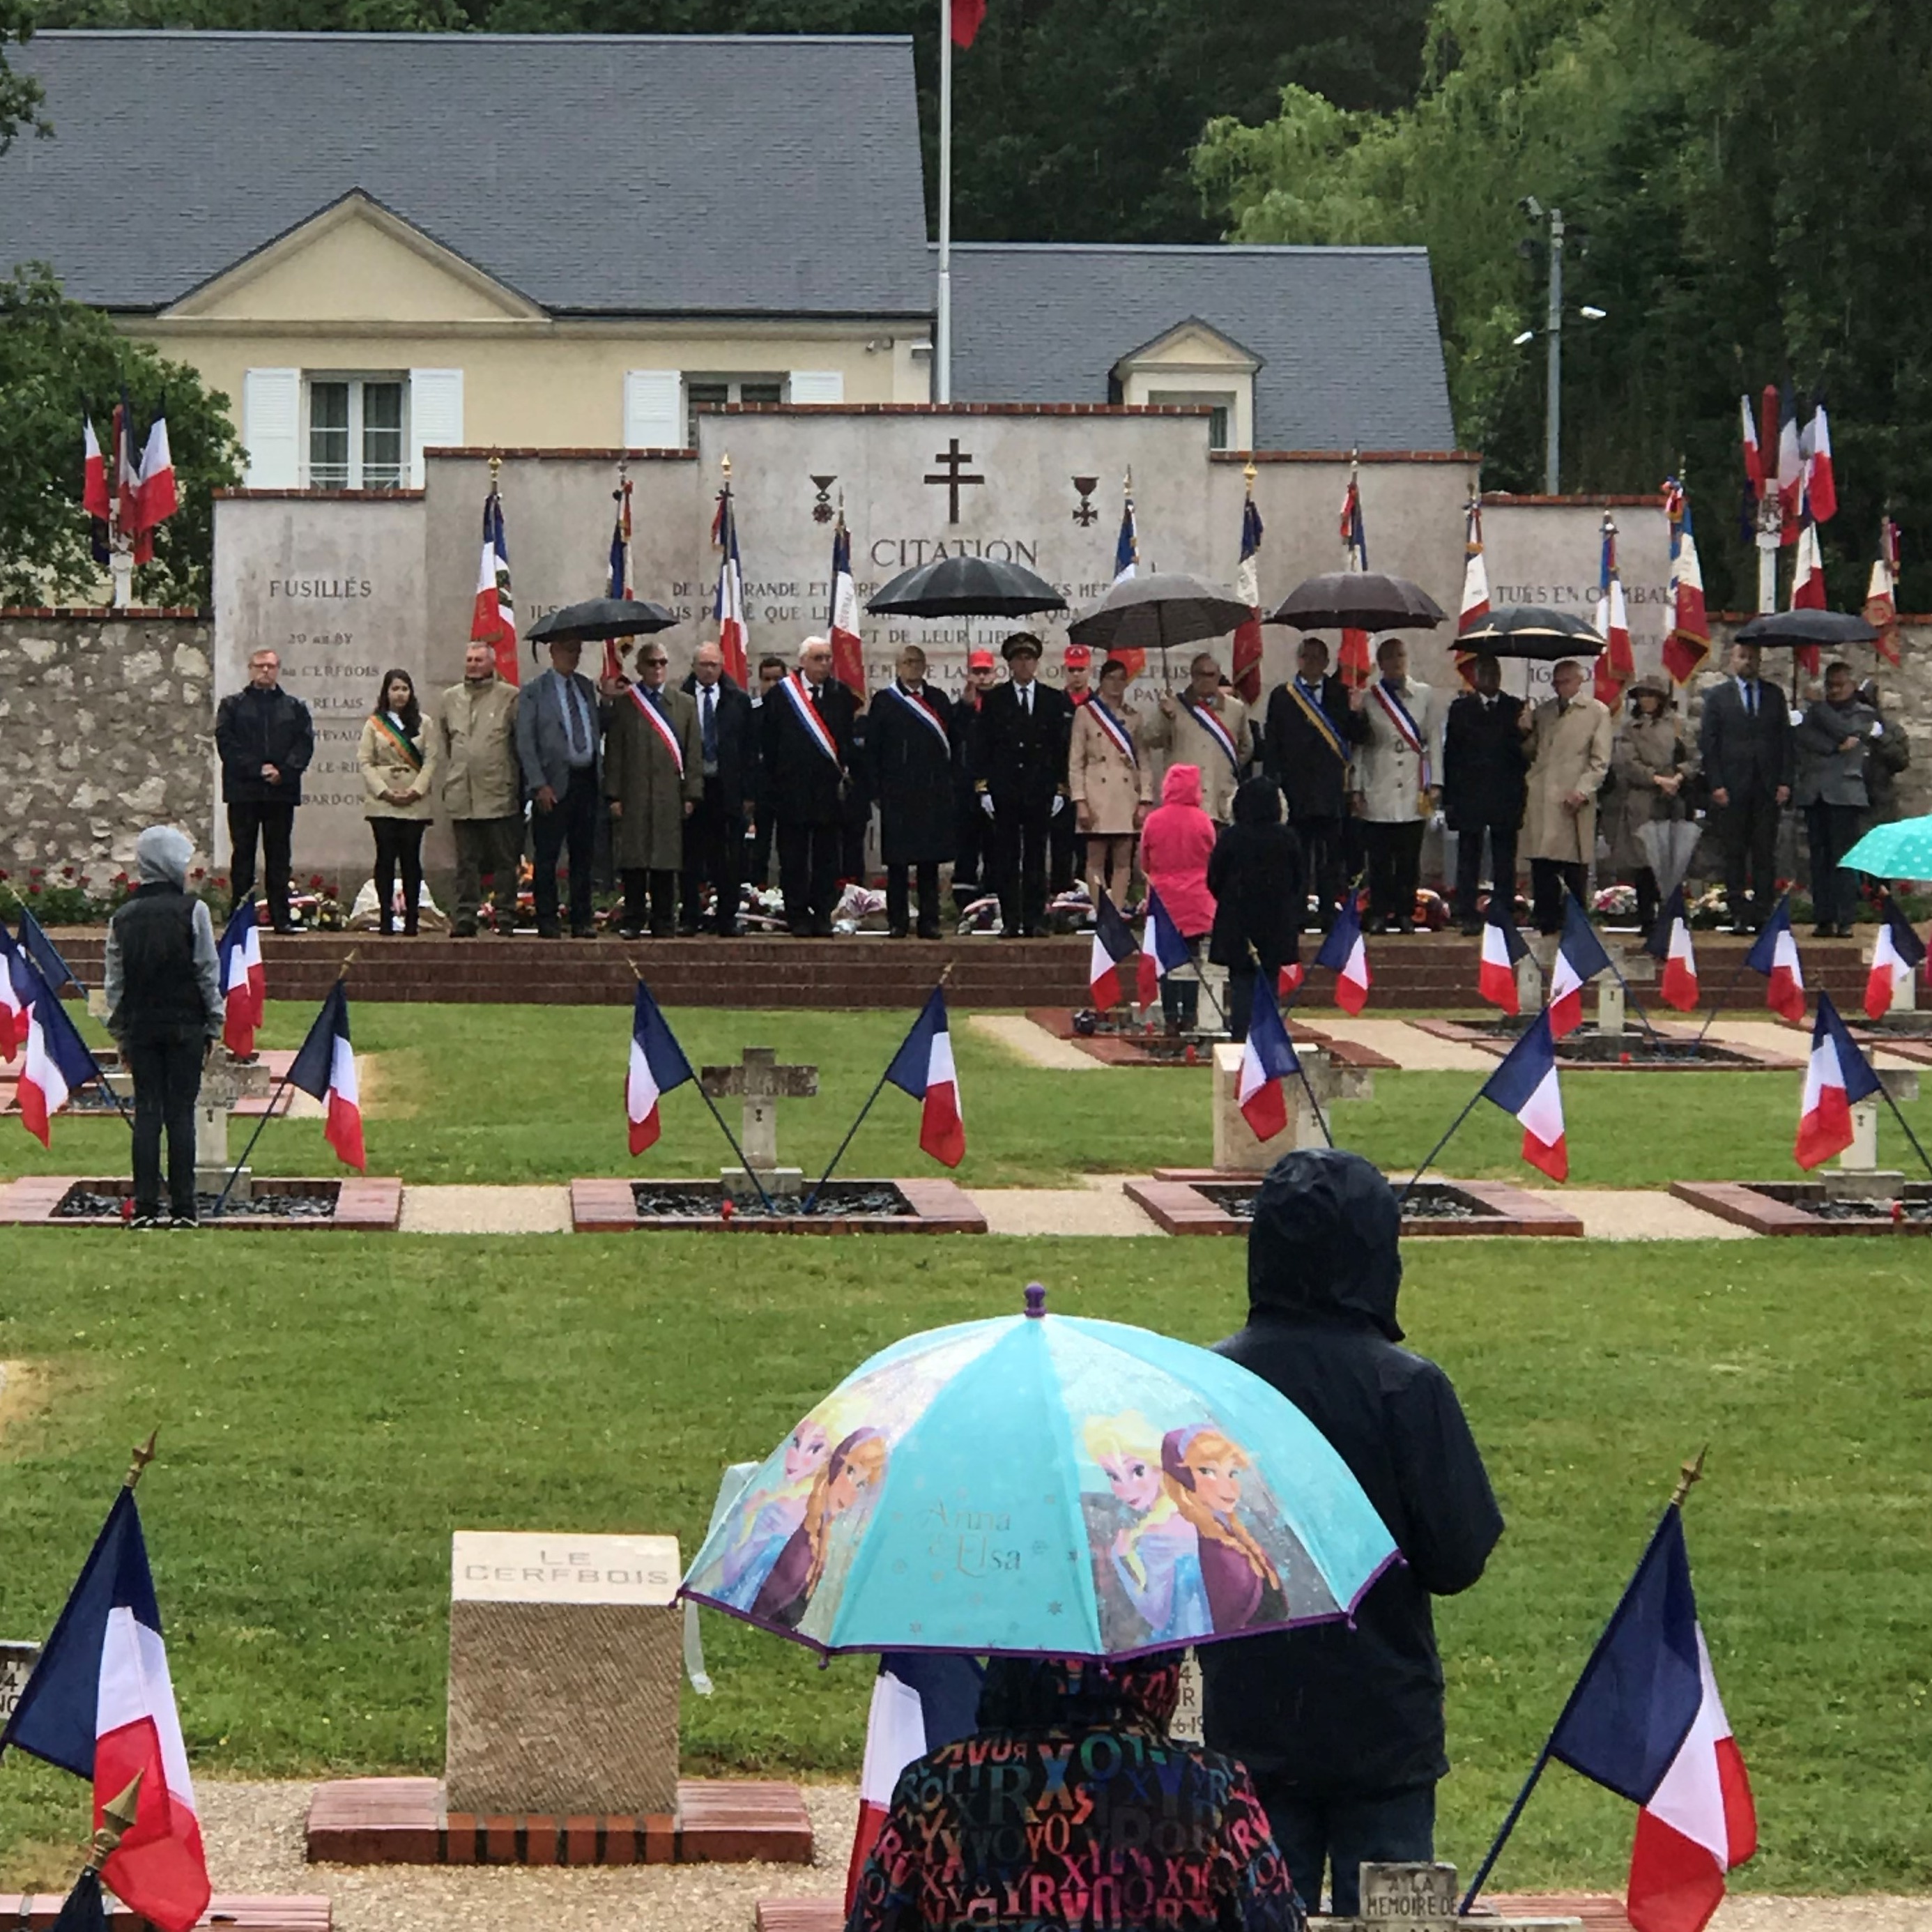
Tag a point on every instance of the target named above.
point(1580, 957)
point(243, 981)
point(1837, 1075)
point(1526, 1085)
point(728, 605)
point(1896, 954)
point(56, 1062)
point(658, 1065)
point(94, 473)
point(923, 1068)
point(1346, 956)
point(1775, 954)
point(1669, 944)
point(1821, 480)
point(1267, 1061)
point(1113, 947)
point(1646, 1721)
point(922, 1700)
point(13, 997)
point(1503, 946)
point(325, 1069)
point(99, 1704)
point(155, 492)
point(848, 647)
point(1162, 949)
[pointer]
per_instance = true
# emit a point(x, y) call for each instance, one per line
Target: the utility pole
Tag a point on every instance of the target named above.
point(1552, 419)
point(942, 331)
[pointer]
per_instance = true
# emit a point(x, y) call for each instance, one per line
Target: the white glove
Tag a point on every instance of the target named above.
point(986, 803)
point(1058, 801)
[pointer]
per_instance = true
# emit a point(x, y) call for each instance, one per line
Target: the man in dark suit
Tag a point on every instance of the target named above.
point(1020, 774)
point(265, 739)
point(972, 835)
point(1744, 742)
point(1483, 787)
point(561, 752)
point(909, 746)
point(714, 834)
point(1311, 723)
point(805, 744)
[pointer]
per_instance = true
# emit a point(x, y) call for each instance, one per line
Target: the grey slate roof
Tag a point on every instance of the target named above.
point(753, 176)
point(1351, 352)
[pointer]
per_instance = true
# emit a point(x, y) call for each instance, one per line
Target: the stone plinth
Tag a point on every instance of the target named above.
point(564, 1660)
point(1237, 1148)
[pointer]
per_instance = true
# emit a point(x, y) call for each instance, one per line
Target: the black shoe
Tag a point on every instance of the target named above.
point(464, 929)
point(664, 929)
point(583, 932)
point(800, 928)
point(729, 929)
point(1471, 928)
point(285, 931)
point(928, 928)
point(1403, 925)
point(386, 930)
point(143, 1222)
point(552, 931)
point(1376, 925)
point(898, 932)
point(1824, 932)
point(821, 928)
point(630, 932)
point(184, 1220)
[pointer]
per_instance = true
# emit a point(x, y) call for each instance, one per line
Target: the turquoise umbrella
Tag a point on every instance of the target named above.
point(1044, 1484)
point(1900, 850)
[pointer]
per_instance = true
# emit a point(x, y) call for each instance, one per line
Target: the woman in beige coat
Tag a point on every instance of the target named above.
point(1649, 762)
point(1110, 783)
point(1569, 747)
point(397, 759)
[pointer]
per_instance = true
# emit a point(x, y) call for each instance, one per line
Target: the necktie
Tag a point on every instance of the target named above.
point(1026, 699)
point(573, 712)
point(708, 711)
point(1751, 698)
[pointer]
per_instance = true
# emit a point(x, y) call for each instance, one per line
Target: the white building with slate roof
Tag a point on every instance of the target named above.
point(375, 244)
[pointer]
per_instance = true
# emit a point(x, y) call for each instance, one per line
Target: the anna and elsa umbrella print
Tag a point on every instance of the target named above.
point(1047, 1485)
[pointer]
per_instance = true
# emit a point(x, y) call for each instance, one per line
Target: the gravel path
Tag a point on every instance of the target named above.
point(1100, 1207)
point(486, 1211)
point(253, 1833)
point(1033, 1044)
point(1644, 1214)
point(1412, 1050)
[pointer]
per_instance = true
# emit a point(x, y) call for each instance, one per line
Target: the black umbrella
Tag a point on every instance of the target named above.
point(965, 587)
point(601, 618)
point(1529, 631)
point(1808, 627)
point(1357, 600)
point(1166, 607)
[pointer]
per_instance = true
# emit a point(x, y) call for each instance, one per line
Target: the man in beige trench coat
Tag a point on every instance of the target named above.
point(482, 789)
point(1570, 736)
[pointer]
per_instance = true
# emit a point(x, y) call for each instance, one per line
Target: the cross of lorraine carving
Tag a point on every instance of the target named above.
point(953, 476)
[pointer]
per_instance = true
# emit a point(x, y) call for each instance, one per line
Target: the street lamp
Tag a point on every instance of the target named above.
point(1533, 210)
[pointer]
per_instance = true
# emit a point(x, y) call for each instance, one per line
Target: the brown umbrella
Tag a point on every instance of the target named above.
point(1166, 607)
point(1357, 600)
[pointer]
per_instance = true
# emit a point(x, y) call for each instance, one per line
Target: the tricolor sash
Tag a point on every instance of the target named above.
point(1320, 720)
point(660, 724)
point(402, 741)
point(918, 706)
point(1397, 714)
point(815, 726)
point(1216, 730)
point(1122, 739)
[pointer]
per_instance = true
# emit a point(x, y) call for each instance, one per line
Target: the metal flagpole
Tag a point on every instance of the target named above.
point(1429, 1160)
point(1891, 1100)
point(942, 332)
point(1733, 983)
point(1687, 1475)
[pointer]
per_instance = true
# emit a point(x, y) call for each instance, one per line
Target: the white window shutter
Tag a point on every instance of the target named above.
point(816, 385)
point(653, 409)
point(436, 416)
point(272, 428)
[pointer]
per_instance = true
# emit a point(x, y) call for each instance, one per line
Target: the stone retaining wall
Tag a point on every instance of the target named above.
point(107, 725)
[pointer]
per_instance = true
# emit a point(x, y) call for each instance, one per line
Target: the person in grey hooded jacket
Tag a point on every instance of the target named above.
point(164, 1010)
point(1341, 1724)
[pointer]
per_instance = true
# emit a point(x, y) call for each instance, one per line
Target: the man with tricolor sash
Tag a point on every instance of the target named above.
point(1314, 724)
point(1202, 725)
point(1111, 782)
point(1395, 784)
point(909, 729)
point(807, 744)
point(653, 778)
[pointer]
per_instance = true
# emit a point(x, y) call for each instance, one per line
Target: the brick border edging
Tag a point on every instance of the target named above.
point(1174, 1199)
point(1126, 1050)
point(368, 1821)
point(603, 1205)
point(364, 1205)
point(1747, 1060)
point(246, 1912)
point(1741, 1203)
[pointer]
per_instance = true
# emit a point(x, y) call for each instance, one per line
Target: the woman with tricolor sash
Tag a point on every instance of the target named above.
point(1111, 784)
point(397, 758)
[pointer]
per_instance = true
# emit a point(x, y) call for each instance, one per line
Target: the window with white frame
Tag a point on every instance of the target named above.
point(720, 389)
point(1220, 401)
point(357, 430)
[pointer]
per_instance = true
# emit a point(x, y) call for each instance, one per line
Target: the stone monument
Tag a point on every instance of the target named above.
point(564, 1656)
point(224, 1080)
point(759, 1082)
point(1423, 1897)
point(1237, 1150)
point(1858, 1176)
point(16, 1665)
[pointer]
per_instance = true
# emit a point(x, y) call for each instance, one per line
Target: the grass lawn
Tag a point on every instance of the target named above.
point(331, 1406)
point(529, 1094)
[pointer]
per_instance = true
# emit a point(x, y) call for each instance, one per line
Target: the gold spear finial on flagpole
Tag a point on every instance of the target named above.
point(1690, 1473)
point(725, 464)
point(117, 1820)
point(496, 466)
point(1248, 473)
point(143, 1454)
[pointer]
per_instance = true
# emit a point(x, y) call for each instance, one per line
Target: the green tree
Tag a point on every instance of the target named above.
point(20, 95)
point(59, 358)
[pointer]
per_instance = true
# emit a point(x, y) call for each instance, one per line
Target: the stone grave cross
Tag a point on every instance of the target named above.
point(759, 1082)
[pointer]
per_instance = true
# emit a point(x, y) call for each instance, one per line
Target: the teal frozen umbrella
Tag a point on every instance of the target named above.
point(1044, 1485)
point(1900, 850)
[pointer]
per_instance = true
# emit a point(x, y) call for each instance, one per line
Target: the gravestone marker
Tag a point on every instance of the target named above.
point(761, 1083)
point(1411, 1896)
point(565, 1655)
point(16, 1665)
point(224, 1080)
point(1236, 1149)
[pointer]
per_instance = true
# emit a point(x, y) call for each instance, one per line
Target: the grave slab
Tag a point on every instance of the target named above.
point(933, 1207)
point(365, 1205)
point(1183, 1201)
point(1795, 1208)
